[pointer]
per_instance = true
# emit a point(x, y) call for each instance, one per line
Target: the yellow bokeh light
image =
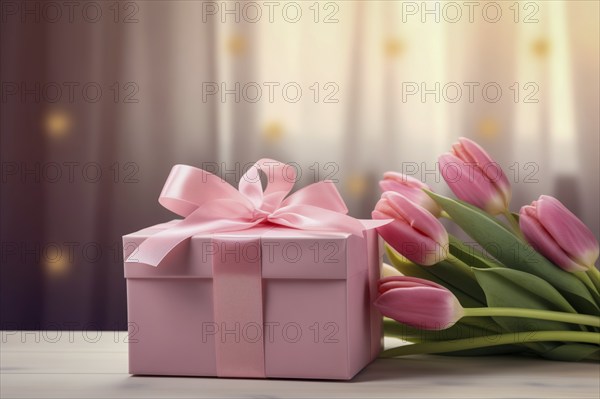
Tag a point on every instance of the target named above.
point(57, 267)
point(57, 123)
point(540, 47)
point(273, 131)
point(236, 44)
point(393, 47)
point(488, 127)
point(356, 185)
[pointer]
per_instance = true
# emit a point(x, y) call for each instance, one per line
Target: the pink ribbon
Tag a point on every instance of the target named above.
point(210, 205)
point(237, 305)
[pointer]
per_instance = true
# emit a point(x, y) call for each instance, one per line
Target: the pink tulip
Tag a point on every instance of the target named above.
point(558, 234)
point(418, 303)
point(414, 232)
point(411, 188)
point(475, 177)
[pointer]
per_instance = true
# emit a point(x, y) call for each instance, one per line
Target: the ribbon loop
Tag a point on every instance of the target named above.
point(188, 188)
point(280, 180)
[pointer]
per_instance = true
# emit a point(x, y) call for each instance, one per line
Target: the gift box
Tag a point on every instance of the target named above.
point(280, 288)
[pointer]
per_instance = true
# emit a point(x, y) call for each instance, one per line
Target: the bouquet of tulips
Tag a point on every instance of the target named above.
point(528, 284)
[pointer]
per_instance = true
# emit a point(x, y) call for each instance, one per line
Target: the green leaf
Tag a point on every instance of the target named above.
point(574, 352)
point(513, 288)
point(409, 268)
point(471, 255)
point(467, 283)
point(515, 253)
point(517, 289)
point(412, 269)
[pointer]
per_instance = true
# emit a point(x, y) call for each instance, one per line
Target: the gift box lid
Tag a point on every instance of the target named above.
point(284, 253)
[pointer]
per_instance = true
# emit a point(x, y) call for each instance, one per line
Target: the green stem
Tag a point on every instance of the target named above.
point(574, 318)
point(587, 281)
point(594, 275)
point(392, 328)
point(493, 340)
point(514, 224)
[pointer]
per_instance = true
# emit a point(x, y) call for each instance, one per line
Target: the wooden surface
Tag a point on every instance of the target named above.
point(80, 365)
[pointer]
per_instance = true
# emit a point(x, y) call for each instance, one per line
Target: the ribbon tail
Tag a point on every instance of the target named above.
point(308, 217)
point(374, 223)
point(214, 216)
point(155, 248)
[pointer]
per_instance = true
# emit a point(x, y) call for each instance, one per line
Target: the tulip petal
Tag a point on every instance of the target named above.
point(490, 168)
point(412, 280)
point(417, 217)
point(384, 208)
point(543, 242)
point(396, 284)
point(421, 307)
point(568, 231)
point(405, 180)
point(470, 185)
point(412, 191)
point(409, 242)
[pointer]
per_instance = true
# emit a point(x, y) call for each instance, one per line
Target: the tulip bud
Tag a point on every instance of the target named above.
point(418, 303)
point(558, 234)
point(414, 232)
point(411, 188)
point(475, 177)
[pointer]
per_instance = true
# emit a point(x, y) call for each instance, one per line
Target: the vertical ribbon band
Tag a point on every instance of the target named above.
point(238, 307)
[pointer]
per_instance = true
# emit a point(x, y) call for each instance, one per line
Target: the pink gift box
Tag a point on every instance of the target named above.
point(269, 301)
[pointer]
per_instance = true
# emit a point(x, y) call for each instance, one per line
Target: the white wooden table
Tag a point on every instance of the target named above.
point(84, 365)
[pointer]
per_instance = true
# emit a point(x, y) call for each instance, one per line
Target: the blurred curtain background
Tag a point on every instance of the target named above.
point(79, 171)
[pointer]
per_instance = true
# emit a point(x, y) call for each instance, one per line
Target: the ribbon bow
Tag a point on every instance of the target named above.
point(209, 205)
